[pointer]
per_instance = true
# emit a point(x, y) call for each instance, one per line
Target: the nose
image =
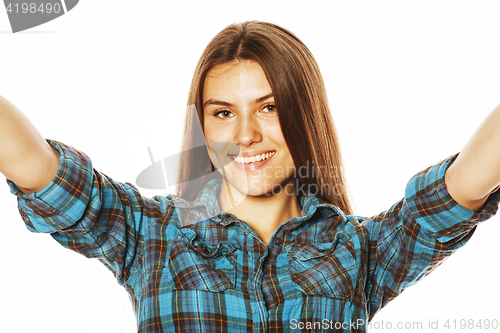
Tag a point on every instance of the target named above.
point(248, 131)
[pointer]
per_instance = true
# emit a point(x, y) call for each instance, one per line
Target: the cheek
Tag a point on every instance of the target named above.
point(214, 133)
point(276, 135)
point(217, 145)
point(210, 135)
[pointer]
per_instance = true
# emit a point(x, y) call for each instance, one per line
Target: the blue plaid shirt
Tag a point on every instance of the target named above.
point(189, 267)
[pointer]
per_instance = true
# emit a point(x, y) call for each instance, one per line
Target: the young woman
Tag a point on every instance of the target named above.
point(268, 243)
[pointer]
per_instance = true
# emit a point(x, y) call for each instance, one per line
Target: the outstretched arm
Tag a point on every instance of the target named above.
point(475, 174)
point(25, 157)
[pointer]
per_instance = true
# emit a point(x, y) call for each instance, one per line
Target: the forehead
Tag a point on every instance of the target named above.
point(237, 78)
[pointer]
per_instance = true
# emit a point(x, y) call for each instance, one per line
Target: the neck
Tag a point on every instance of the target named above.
point(264, 213)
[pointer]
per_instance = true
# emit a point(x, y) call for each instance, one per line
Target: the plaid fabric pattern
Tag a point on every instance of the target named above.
point(191, 268)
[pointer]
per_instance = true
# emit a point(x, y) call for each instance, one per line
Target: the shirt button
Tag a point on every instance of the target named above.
point(277, 241)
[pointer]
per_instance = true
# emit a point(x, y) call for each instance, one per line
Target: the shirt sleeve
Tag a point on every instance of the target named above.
point(416, 234)
point(89, 213)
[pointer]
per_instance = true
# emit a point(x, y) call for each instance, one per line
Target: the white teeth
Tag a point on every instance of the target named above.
point(256, 158)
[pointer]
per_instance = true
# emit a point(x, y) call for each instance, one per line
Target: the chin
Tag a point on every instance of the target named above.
point(258, 188)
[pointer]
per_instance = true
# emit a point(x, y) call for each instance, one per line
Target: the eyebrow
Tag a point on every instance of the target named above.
point(223, 103)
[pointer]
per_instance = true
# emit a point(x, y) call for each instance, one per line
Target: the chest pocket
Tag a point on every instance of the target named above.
point(325, 270)
point(194, 264)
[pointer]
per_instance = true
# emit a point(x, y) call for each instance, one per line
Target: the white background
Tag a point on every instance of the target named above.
point(408, 83)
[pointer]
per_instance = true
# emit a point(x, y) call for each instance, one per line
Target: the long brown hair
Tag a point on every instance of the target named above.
point(300, 97)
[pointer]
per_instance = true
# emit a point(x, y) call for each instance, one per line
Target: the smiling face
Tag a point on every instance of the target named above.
point(242, 129)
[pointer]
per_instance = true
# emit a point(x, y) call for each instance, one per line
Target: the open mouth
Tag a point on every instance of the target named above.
point(253, 158)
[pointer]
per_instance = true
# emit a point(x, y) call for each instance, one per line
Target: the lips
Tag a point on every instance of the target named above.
point(247, 158)
point(252, 160)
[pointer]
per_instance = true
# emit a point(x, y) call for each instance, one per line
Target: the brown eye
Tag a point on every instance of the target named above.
point(222, 114)
point(270, 107)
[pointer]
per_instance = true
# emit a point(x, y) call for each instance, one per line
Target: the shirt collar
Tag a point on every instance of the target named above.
point(310, 204)
point(208, 198)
